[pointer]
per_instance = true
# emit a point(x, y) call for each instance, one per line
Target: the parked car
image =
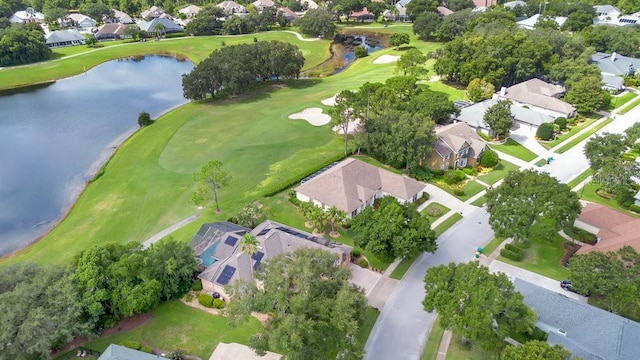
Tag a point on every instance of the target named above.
point(568, 286)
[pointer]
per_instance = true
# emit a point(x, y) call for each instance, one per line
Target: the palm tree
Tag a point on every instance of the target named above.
point(336, 217)
point(249, 244)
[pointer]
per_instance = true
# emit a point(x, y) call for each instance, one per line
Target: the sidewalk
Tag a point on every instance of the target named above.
point(169, 230)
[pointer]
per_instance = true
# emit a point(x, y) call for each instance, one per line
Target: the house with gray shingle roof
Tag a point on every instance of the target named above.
point(167, 25)
point(457, 146)
point(352, 185)
point(585, 330)
point(613, 67)
point(539, 96)
point(218, 250)
point(231, 7)
point(62, 38)
point(117, 352)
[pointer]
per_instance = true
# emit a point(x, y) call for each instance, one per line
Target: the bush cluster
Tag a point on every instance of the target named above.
point(131, 344)
point(511, 255)
point(146, 349)
point(355, 253)
point(470, 171)
point(363, 263)
point(421, 174)
point(360, 52)
point(458, 192)
point(634, 208)
point(512, 247)
point(454, 176)
point(489, 158)
point(197, 285)
point(545, 131)
point(218, 303)
point(580, 235)
point(435, 211)
point(205, 300)
point(561, 122)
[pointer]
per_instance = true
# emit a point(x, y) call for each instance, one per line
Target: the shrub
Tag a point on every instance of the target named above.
point(489, 158)
point(634, 208)
point(278, 186)
point(470, 171)
point(146, 349)
point(205, 300)
point(218, 303)
point(458, 192)
point(360, 52)
point(174, 35)
point(511, 255)
point(545, 131)
point(523, 244)
point(293, 198)
point(197, 285)
point(561, 122)
point(363, 263)
point(513, 248)
point(435, 211)
point(144, 119)
point(421, 174)
point(131, 344)
point(355, 253)
point(425, 196)
point(454, 176)
point(188, 297)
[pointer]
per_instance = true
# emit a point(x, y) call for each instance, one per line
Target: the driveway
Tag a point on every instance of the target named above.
point(440, 196)
point(364, 278)
point(403, 325)
point(526, 136)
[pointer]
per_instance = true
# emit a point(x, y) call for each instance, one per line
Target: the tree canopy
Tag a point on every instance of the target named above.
point(499, 118)
point(209, 180)
point(604, 148)
point(309, 298)
point(476, 304)
point(411, 63)
point(526, 195)
point(317, 23)
point(535, 350)
point(22, 44)
point(392, 230)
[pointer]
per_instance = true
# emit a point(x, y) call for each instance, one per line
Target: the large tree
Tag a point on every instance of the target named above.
point(603, 148)
point(617, 176)
point(313, 308)
point(343, 115)
point(392, 230)
point(317, 23)
point(411, 63)
point(399, 39)
point(22, 44)
point(499, 118)
point(209, 180)
point(476, 304)
point(479, 90)
point(526, 195)
point(586, 94)
point(535, 350)
point(426, 26)
point(417, 7)
point(39, 309)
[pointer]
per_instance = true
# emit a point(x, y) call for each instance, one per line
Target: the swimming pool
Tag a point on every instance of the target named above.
point(207, 255)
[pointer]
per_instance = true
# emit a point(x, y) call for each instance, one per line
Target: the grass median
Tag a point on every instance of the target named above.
point(515, 149)
point(628, 108)
point(585, 135)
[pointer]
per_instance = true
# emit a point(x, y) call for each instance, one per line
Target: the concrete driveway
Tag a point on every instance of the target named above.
point(364, 278)
point(526, 136)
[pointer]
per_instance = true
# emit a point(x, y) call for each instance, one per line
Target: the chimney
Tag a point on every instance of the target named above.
point(613, 56)
point(503, 91)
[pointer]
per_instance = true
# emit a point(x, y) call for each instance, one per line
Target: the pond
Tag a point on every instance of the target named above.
point(53, 139)
point(350, 42)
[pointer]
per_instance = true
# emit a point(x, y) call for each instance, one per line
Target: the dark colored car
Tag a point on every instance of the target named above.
point(567, 285)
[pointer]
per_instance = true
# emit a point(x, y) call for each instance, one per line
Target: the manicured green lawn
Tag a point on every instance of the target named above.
point(574, 130)
point(580, 178)
point(365, 329)
point(577, 139)
point(433, 342)
point(402, 268)
point(471, 188)
point(492, 245)
point(513, 148)
point(621, 100)
point(454, 93)
point(543, 258)
point(177, 326)
point(588, 193)
point(472, 351)
point(447, 223)
point(499, 172)
point(625, 109)
point(431, 207)
point(480, 201)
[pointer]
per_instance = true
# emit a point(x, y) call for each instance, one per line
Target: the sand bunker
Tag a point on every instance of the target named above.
point(330, 101)
point(386, 59)
point(313, 116)
point(351, 128)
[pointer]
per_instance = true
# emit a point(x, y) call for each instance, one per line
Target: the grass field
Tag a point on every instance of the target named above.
point(177, 326)
point(577, 139)
point(365, 329)
point(627, 108)
point(480, 201)
point(471, 188)
point(432, 207)
point(621, 100)
point(472, 351)
point(589, 193)
point(543, 258)
point(492, 245)
point(433, 342)
point(563, 137)
point(513, 148)
point(499, 172)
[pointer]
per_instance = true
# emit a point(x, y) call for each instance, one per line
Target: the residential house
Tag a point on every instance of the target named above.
point(118, 352)
point(530, 23)
point(606, 14)
point(585, 330)
point(443, 11)
point(352, 185)
point(613, 67)
point(82, 21)
point(218, 250)
point(484, 3)
point(457, 146)
point(237, 351)
point(613, 228)
point(27, 16)
point(398, 15)
point(289, 14)
point(153, 12)
point(473, 115)
point(62, 38)
point(539, 96)
point(111, 31)
point(167, 26)
point(262, 4)
point(363, 15)
point(189, 11)
point(120, 17)
point(232, 7)
point(513, 4)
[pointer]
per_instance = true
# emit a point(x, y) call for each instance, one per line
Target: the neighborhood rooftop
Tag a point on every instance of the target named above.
point(585, 330)
point(539, 93)
point(615, 64)
point(616, 229)
point(118, 352)
point(454, 137)
point(474, 115)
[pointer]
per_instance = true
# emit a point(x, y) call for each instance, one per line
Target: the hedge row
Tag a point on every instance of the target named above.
point(514, 248)
point(634, 208)
point(580, 235)
point(277, 188)
point(511, 255)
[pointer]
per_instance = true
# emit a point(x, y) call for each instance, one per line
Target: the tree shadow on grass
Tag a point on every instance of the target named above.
point(405, 48)
point(262, 92)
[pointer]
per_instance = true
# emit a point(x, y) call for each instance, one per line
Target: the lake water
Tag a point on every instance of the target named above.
point(53, 139)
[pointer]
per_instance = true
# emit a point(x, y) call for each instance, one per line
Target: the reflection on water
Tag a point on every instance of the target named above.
point(50, 138)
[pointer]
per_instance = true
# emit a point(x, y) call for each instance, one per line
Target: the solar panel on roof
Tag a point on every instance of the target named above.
point(256, 265)
point(226, 275)
point(257, 256)
point(264, 231)
point(230, 240)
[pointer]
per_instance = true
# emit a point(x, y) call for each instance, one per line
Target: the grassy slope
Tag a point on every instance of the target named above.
point(513, 148)
point(147, 185)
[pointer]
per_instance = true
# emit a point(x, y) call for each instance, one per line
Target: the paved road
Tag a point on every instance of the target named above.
point(401, 329)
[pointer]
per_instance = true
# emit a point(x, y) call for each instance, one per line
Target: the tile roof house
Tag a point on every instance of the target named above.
point(112, 31)
point(443, 11)
point(614, 66)
point(400, 15)
point(514, 4)
point(587, 331)
point(457, 146)
point(169, 26)
point(613, 228)
point(118, 352)
point(485, 3)
point(62, 38)
point(539, 96)
point(190, 11)
point(363, 15)
point(83, 21)
point(218, 250)
point(232, 7)
point(121, 17)
point(288, 13)
point(26, 16)
point(473, 116)
point(153, 13)
point(262, 4)
point(352, 185)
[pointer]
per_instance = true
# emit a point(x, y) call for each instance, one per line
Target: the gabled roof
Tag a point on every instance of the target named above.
point(149, 26)
point(362, 13)
point(114, 28)
point(349, 184)
point(474, 114)
point(513, 4)
point(23, 15)
point(616, 229)
point(231, 5)
point(190, 10)
point(615, 64)
point(444, 11)
point(60, 36)
point(288, 13)
point(457, 136)
point(533, 20)
point(263, 3)
point(606, 9)
point(122, 17)
point(484, 3)
point(117, 352)
point(585, 330)
point(539, 93)
point(80, 18)
point(154, 11)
